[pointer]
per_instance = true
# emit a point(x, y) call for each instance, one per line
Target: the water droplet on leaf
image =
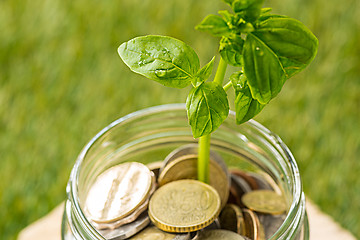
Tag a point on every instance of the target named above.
point(259, 52)
point(160, 73)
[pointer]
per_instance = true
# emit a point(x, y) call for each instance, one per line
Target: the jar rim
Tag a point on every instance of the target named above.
point(297, 193)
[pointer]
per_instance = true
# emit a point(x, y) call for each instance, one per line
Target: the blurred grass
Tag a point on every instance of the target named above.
point(61, 81)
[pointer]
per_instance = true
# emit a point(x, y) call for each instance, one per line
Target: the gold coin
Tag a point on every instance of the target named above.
point(184, 206)
point(185, 167)
point(192, 149)
point(219, 234)
point(264, 201)
point(231, 218)
point(118, 192)
point(254, 229)
point(153, 233)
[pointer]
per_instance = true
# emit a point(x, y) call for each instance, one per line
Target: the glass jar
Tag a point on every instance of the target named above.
point(149, 135)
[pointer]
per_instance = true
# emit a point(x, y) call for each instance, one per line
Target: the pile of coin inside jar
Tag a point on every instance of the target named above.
point(163, 200)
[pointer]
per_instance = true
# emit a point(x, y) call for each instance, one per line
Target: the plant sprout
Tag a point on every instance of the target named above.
point(266, 48)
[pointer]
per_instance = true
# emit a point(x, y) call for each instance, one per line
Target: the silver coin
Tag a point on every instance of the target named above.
point(271, 223)
point(128, 219)
point(118, 192)
point(219, 234)
point(153, 233)
point(214, 225)
point(241, 183)
point(262, 183)
point(127, 230)
point(237, 189)
point(194, 235)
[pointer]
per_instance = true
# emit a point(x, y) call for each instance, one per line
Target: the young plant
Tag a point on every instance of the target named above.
point(267, 49)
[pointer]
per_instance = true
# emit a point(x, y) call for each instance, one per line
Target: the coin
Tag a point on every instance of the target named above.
point(127, 230)
point(131, 217)
point(271, 223)
point(264, 201)
point(192, 149)
point(155, 167)
point(219, 234)
point(237, 189)
point(251, 181)
point(231, 218)
point(184, 206)
point(178, 152)
point(254, 230)
point(118, 192)
point(185, 167)
point(153, 233)
point(214, 225)
point(261, 182)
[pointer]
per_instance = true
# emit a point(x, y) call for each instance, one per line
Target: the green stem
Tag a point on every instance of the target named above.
point(203, 159)
point(204, 141)
point(220, 72)
point(227, 86)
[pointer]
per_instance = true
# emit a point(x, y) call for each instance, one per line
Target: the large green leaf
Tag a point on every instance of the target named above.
point(293, 43)
point(279, 48)
point(263, 69)
point(166, 60)
point(207, 108)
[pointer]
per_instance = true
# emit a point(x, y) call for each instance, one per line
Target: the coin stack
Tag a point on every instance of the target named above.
point(163, 200)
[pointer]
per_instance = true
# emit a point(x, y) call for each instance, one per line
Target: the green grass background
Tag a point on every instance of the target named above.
point(61, 81)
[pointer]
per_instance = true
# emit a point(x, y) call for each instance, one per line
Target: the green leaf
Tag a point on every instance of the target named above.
point(231, 50)
point(240, 5)
point(238, 81)
point(250, 8)
point(226, 16)
point(293, 43)
point(267, 16)
point(214, 25)
point(230, 2)
point(163, 59)
point(279, 48)
point(204, 73)
point(207, 108)
point(265, 10)
point(245, 27)
point(263, 69)
point(246, 107)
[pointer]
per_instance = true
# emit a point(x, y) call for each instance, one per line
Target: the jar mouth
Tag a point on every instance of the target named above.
point(287, 161)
